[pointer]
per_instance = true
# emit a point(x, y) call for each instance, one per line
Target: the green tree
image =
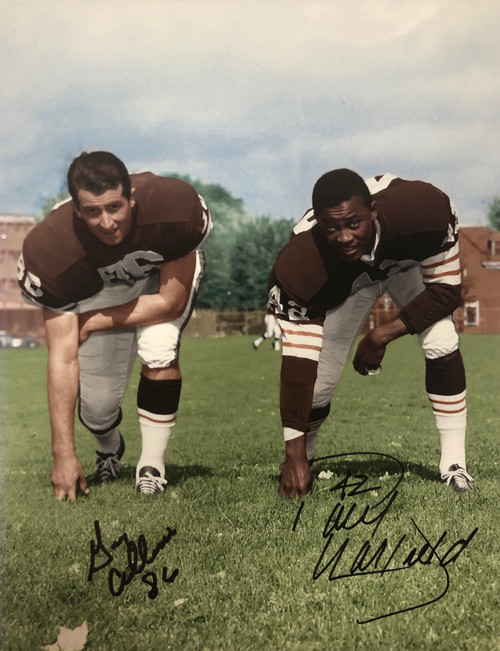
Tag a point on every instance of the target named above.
point(252, 257)
point(50, 202)
point(494, 213)
point(228, 214)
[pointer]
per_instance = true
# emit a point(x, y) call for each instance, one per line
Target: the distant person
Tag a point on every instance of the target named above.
point(272, 331)
point(116, 269)
point(360, 240)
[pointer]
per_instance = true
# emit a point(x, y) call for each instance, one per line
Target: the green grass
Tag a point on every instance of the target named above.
point(245, 576)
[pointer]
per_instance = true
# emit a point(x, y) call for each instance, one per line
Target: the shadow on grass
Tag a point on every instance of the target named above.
point(176, 475)
point(374, 467)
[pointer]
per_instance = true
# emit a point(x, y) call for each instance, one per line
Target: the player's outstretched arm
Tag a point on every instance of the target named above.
point(168, 304)
point(62, 387)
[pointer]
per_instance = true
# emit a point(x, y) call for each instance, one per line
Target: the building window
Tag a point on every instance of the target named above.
point(471, 313)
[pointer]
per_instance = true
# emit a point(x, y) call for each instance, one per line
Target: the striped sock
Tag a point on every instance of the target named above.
point(450, 414)
point(157, 403)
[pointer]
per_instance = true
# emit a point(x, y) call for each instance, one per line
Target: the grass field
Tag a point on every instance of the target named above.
point(256, 571)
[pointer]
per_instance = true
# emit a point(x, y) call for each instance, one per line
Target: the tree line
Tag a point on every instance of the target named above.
point(240, 251)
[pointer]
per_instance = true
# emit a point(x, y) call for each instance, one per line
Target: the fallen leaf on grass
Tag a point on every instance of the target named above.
point(70, 640)
point(325, 474)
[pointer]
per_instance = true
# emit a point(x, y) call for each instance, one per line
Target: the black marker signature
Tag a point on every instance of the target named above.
point(340, 558)
point(136, 561)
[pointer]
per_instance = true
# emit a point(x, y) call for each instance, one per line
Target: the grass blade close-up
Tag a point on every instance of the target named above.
point(381, 555)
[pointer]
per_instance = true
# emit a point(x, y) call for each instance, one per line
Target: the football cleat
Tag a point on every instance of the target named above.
point(457, 478)
point(109, 464)
point(150, 481)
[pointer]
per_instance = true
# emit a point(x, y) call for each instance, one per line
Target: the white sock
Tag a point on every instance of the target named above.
point(155, 434)
point(109, 442)
point(451, 420)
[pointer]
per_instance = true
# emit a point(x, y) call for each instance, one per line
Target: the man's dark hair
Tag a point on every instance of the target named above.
point(337, 186)
point(97, 172)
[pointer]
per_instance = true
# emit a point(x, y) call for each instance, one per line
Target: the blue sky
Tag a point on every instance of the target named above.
point(260, 96)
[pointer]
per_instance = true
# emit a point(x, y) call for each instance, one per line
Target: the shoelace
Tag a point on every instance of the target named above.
point(150, 484)
point(109, 466)
point(461, 477)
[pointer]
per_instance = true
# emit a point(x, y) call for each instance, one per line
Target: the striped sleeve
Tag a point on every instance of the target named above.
point(301, 348)
point(442, 294)
point(442, 276)
point(443, 267)
point(301, 340)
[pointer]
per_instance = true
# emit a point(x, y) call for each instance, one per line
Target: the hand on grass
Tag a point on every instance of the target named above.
point(296, 475)
point(66, 474)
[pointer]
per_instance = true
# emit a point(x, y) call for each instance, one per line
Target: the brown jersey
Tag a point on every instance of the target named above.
point(64, 267)
point(416, 226)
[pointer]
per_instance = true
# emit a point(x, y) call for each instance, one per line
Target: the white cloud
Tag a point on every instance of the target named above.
point(261, 96)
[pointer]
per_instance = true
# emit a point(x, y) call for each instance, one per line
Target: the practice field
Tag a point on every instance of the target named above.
point(380, 556)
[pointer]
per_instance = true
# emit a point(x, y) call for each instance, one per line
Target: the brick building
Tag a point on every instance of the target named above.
point(16, 316)
point(480, 262)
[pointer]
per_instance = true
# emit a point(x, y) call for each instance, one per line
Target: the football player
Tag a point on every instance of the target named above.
point(359, 240)
point(116, 270)
point(272, 331)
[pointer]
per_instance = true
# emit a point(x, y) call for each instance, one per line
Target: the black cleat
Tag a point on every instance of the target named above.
point(457, 478)
point(150, 481)
point(109, 464)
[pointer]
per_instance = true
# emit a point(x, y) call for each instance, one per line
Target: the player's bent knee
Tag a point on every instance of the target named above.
point(99, 418)
point(160, 359)
point(158, 345)
point(440, 339)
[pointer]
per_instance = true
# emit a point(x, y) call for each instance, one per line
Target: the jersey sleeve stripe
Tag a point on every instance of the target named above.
point(301, 340)
point(444, 266)
point(441, 257)
point(451, 272)
point(302, 334)
point(301, 353)
point(304, 346)
point(441, 262)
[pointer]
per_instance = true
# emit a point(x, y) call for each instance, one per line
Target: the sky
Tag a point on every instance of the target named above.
point(259, 96)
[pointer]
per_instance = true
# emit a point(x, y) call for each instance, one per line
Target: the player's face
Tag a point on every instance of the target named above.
point(349, 228)
point(108, 216)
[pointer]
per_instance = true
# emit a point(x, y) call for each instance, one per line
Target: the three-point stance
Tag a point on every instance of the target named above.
point(116, 269)
point(362, 239)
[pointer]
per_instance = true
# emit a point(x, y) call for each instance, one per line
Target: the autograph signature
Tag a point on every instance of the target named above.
point(341, 558)
point(136, 561)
